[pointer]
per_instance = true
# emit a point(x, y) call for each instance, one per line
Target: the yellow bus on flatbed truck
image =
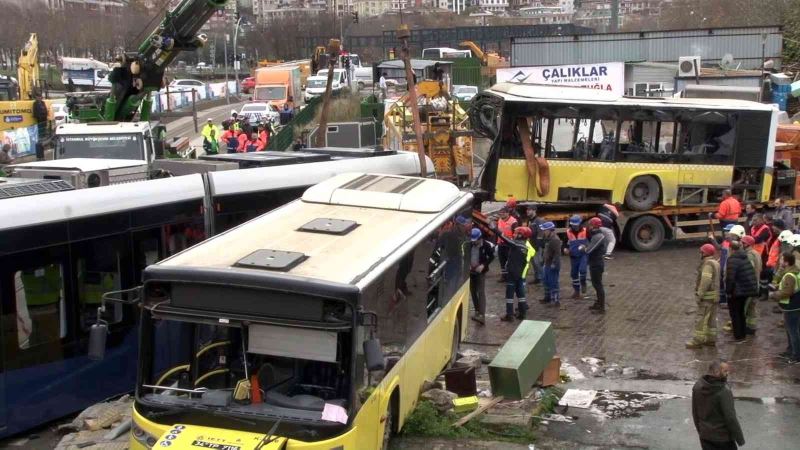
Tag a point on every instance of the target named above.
point(665, 160)
point(310, 327)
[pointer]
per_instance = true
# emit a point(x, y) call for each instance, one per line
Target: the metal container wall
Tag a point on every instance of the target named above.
point(745, 44)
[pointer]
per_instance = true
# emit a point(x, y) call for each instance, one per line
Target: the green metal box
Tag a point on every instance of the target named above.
point(522, 359)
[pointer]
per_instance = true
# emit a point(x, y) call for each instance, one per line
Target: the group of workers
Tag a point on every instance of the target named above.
point(526, 241)
point(758, 259)
point(238, 135)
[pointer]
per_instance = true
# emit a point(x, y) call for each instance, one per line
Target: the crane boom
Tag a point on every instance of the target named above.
point(28, 68)
point(140, 73)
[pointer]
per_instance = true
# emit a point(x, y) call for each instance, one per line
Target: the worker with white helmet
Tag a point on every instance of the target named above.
point(732, 233)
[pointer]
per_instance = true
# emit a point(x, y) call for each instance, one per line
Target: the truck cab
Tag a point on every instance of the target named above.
point(110, 140)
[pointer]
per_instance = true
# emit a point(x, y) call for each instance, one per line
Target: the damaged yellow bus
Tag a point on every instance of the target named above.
point(556, 144)
point(310, 327)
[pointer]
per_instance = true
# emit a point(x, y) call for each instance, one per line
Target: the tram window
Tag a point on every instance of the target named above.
point(41, 316)
point(98, 272)
point(182, 236)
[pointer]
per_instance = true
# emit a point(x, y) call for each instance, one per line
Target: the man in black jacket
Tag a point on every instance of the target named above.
point(481, 255)
point(596, 249)
point(741, 282)
point(713, 411)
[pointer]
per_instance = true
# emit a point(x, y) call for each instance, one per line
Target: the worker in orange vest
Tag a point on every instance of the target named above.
point(729, 209)
point(505, 226)
point(762, 234)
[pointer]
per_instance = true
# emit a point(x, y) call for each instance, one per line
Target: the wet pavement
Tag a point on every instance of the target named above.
point(634, 356)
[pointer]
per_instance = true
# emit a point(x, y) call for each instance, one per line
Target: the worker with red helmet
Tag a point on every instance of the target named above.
point(595, 249)
point(520, 254)
point(506, 224)
point(707, 296)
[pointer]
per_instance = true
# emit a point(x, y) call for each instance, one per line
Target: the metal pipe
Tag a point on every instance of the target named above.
point(403, 34)
point(236, 54)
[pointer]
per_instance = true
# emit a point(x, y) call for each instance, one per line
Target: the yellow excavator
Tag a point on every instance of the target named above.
point(17, 124)
point(490, 60)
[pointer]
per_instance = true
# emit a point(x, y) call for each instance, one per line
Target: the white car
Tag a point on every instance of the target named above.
point(257, 112)
point(465, 93)
point(315, 86)
point(187, 84)
point(60, 114)
point(203, 66)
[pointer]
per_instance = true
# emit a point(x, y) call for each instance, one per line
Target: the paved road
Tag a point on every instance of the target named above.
point(650, 316)
point(184, 126)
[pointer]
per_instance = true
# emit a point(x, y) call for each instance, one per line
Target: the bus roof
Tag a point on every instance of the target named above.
point(375, 216)
point(523, 92)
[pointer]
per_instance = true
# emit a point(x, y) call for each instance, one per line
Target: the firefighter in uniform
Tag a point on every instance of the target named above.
point(707, 296)
point(520, 254)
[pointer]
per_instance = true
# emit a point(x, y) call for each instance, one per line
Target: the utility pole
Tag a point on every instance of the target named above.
point(403, 33)
point(227, 94)
point(236, 58)
point(321, 139)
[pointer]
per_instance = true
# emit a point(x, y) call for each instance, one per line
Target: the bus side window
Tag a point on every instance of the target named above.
point(98, 270)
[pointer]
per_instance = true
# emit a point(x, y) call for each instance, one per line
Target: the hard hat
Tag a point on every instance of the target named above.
point(547, 226)
point(525, 232)
point(737, 230)
point(575, 220)
point(728, 227)
point(794, 241)
point(596, 222)
point(707, 249)
point(209, 119)
point(475, 234)
point(234, 112)
point(785, 236)
point(748, 241)
point(511, 202)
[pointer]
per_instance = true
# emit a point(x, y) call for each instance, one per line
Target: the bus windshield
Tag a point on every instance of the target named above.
point(270, 92)
point(102, 146)
point(293, 373)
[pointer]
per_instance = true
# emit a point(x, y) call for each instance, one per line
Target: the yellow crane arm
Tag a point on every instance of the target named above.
point(28, 68)
point(475, 50)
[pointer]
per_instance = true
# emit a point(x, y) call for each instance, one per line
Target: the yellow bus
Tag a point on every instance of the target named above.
point(310, 327)
point(556, 144)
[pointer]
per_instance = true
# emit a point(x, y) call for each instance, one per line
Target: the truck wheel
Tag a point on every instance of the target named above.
point(646, 233)
point(643, 193)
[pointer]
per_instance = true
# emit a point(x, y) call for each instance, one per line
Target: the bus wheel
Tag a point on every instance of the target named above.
point(388, 425)
point(646, 233)
point(456, 344)
point(642, 194)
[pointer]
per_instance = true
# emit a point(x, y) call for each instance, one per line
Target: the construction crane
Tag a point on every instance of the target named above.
point(492, 61)
point(16, 96)
point(138, 74)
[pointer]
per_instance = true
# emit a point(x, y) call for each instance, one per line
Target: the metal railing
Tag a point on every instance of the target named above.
point(284, 138)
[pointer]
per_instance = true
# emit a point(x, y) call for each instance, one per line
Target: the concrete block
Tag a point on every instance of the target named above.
point(522, 359)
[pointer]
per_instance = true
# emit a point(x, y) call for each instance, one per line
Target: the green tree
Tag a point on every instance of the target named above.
point(791, 36)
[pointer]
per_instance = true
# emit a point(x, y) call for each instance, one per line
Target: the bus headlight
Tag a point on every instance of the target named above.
point(143, 437)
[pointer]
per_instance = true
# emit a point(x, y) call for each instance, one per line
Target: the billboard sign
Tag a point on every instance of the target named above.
point(604, 76)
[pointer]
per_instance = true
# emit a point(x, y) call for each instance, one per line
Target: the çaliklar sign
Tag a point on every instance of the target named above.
point(605, 76)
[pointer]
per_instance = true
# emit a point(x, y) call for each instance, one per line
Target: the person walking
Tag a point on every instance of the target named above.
point(750, 312)
point(729, 209)
point(706, 294)
point(596, 253)
point(210, 133)
point(551, 261)
point(713, 410)
point(784, 213)
point(383, 87)
point(575, 249)
point(740, 283)
point(532, 221)
point(505, 227)
point(481, 255)
point(609, 214)
point(520, 254)
point(788, 297)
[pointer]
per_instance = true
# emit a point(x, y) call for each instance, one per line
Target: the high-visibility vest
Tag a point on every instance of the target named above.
point(761, 247)
point(528, 257)
point(774, 254)
point(729, 209)
point(43, 286)
point(506, 228)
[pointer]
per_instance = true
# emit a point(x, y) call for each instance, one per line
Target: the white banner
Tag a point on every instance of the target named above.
point(605, 76)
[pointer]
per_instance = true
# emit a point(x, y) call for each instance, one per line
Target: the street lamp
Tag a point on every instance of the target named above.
point(236, 62)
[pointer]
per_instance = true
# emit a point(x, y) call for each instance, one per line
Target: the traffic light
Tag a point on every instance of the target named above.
point(355, 16)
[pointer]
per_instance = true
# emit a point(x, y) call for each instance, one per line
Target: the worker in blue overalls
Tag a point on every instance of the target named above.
point(575, 249)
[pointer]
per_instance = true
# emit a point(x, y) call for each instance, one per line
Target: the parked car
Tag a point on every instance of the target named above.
point(60, 114)
point(186, 85)
point(248, 84)
point(316, 85)
point(258, 112)
point(465, 93)
point(203, 66)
